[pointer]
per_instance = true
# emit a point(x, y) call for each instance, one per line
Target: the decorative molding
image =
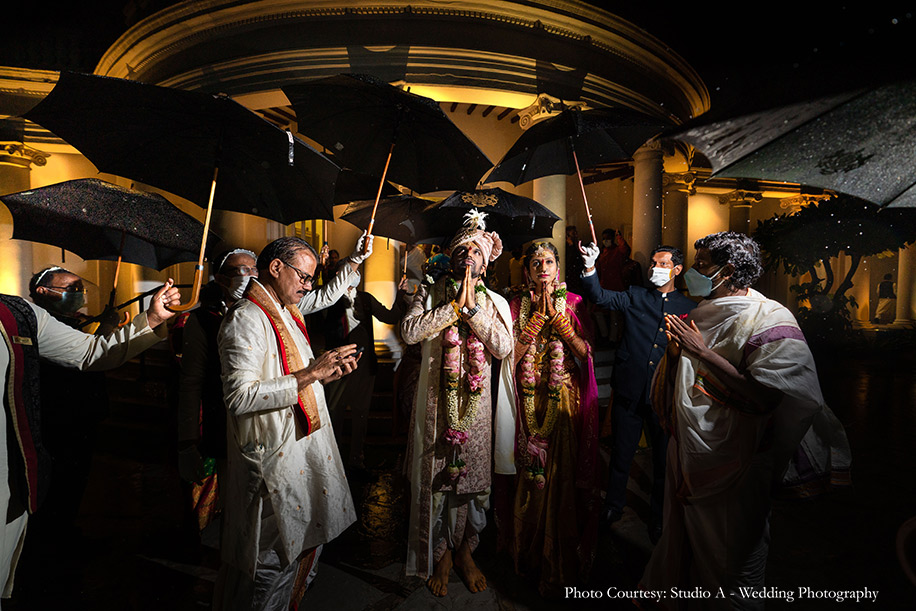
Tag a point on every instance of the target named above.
point(681, 181)
point(740, 198)
point(796, 202)
point(21, 155)
point(544, 107)
point(621, 64)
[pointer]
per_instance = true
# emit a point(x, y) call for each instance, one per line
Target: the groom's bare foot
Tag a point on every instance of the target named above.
point(438, 582)
point(468, 571)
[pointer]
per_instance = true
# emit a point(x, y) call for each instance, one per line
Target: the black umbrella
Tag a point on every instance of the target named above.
point(179, 140)
point(416, 220)
point(576, 139)
point(372, 127)
point(861, 143)
point(516, 218)
point(98, 220)
point(400, 218)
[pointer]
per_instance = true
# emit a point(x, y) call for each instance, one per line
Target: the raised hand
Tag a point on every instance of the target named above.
point(589, 254)
point(470, 298)
point(158, 311)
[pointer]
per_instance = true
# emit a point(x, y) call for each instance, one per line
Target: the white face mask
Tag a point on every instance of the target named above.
point(237, 286)
point(608, 243)
point(659, 276)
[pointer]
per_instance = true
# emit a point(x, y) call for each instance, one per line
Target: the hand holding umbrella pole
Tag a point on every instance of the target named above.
point(199, 268)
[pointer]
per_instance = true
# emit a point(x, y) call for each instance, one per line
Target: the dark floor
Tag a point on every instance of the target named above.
point(136, 550)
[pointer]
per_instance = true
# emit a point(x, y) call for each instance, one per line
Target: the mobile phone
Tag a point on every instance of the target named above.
point(360, 350)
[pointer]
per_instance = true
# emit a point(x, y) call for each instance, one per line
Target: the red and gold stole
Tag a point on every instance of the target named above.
point(290, 359)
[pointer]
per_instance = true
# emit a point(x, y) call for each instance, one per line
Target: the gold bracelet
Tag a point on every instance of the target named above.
point(456, 308)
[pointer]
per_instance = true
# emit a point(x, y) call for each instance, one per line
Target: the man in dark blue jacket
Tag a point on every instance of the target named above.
point(643, 345)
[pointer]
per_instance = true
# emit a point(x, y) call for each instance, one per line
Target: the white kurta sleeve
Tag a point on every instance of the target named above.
point(252, 378)
point(328, 294)
point(68, 347)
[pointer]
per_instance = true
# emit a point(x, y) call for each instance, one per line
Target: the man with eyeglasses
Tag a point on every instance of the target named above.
point(29, 333)
point(287, 492)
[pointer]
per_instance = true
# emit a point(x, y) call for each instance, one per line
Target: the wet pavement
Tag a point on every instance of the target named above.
point(136, 549)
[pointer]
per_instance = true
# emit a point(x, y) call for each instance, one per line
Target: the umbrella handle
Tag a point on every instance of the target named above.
point(199, 268)
point(195, 292)
point(127, 318)
point(584, 196)
point(381, 185)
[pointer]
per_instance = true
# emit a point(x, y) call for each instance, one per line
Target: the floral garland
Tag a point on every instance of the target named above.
point(538, 435)
point(457, 432)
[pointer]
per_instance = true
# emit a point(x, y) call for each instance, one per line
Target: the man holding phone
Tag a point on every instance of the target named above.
point(287, 492)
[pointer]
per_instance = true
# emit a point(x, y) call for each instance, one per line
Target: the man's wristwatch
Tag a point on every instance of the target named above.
point(472, 311)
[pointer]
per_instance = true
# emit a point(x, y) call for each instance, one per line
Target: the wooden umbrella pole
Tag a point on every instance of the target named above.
point(199, 269)
point(584, 196)
point(406, 252)
point(381, 185)
point(114, 284)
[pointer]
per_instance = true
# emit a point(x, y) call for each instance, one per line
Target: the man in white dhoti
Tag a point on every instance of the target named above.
point(29, 331)
point(738, 391)
point(286, 493)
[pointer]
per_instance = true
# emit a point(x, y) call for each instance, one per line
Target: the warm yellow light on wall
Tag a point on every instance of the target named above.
point(705, 216)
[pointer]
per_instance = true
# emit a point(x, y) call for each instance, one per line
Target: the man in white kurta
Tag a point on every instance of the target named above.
point(738, 393)
point(68, 347)
point(287, 492)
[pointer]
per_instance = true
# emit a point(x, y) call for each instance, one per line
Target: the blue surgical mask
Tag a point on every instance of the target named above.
point(699, 285)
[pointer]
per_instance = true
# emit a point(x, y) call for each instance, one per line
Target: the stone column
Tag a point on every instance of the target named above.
point(380, 278)
point(674, 226)
point(906, 289)
point(550, 191)
point(647, 202)
point(16, 161)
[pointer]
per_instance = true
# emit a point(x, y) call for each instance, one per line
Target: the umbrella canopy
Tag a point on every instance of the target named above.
point(861, 143)
point(354, 186)
point(415, 220)
point(401, 218)
point(597, 136)
point(517, 219)
point(361, 119)
point(174, 139)
point(98, 220)
point(179, 141)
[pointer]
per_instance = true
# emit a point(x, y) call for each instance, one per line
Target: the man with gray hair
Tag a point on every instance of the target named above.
point(739, 394)
point(287, 493)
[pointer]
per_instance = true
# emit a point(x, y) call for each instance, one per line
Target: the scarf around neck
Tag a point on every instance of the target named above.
point(290, 358)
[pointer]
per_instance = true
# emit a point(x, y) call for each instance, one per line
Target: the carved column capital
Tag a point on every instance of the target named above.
point(680, 181)
point(740, 198)
point(795, 203)
point(21, 155)
point(650, 147)
point(544, 107)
